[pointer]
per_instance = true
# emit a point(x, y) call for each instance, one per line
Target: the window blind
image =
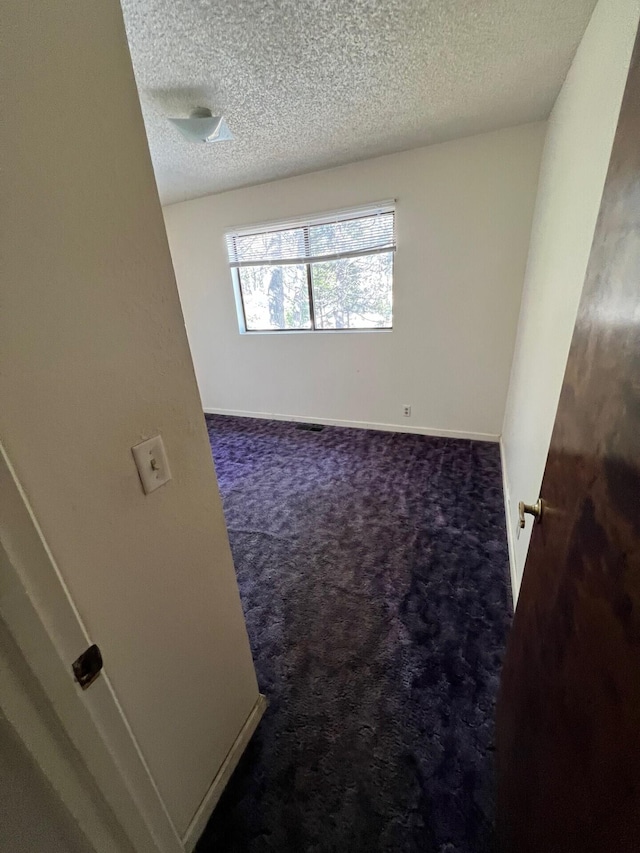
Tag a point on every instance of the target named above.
point(364, 232)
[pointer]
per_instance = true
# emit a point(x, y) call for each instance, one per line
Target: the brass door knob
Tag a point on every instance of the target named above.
point(530, 509)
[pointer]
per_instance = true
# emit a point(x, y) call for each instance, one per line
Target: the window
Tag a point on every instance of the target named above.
point(317, 274)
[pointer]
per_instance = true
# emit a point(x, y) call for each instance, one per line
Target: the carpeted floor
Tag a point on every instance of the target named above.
point(374, 578)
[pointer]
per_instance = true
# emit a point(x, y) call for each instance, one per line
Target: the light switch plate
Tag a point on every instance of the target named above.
point(151, 462)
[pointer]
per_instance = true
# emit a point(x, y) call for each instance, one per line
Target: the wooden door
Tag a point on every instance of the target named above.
point(568, 725)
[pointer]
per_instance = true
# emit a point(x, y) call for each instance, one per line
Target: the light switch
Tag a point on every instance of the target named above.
point(151, 461)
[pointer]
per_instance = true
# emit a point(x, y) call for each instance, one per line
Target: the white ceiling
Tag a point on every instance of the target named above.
point(308, 84)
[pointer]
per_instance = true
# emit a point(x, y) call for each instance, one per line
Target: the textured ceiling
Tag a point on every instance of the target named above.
point(308, 84)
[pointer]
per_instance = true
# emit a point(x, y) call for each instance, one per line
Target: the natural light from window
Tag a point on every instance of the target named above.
point(333, 272)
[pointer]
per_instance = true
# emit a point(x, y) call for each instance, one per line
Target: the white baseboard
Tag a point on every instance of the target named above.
point(416, 430)
point(197, 825)
point(507, 512)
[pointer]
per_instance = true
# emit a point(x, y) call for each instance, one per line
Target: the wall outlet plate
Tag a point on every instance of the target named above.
point(152, 464)
point(406, 410)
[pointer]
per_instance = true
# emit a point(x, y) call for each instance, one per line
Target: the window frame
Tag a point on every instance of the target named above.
point(342, 215)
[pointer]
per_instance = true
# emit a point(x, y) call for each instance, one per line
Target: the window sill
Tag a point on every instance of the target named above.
point(251, 333)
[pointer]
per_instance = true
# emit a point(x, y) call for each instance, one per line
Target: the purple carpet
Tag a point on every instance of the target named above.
point(373, 573)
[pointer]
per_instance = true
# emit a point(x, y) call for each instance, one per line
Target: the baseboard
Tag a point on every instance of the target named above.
point(197, 825)
point(507, 512)
point(416, 430)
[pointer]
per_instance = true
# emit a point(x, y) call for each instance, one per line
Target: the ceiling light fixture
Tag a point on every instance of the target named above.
point(201, 127)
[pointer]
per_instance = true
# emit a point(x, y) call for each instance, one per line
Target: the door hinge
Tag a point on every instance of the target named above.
point(87, 667)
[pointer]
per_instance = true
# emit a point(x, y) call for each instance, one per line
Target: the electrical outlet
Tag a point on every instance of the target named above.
point(406, 411)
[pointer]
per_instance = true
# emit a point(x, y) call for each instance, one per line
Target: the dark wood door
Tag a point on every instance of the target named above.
point(568, 724)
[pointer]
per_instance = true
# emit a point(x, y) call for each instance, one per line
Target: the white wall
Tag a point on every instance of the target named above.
point(48, 799)
point(31, 820)
point(464, 212)
point(94, 359)
point(574, 165)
